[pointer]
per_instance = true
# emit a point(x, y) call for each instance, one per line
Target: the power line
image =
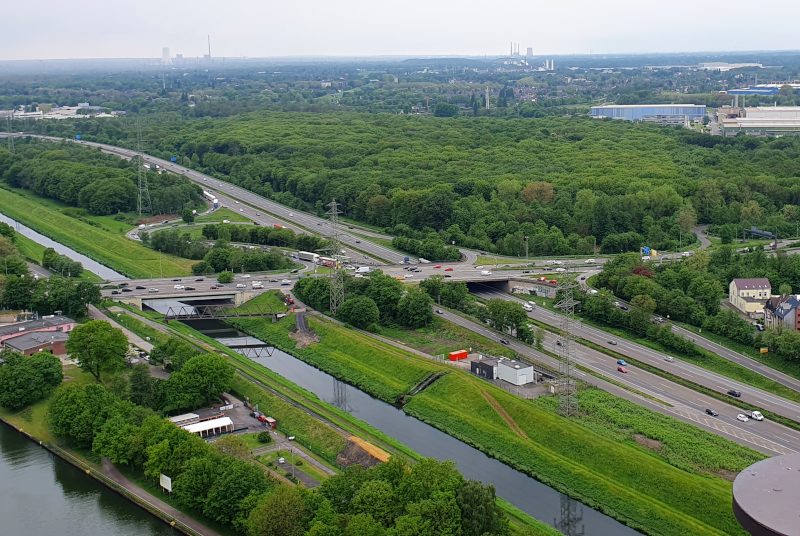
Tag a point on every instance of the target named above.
point(337, 277)
point(144, 204)
point(10, 135)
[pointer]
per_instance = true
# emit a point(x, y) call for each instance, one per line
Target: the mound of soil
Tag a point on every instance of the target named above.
point(354, 454)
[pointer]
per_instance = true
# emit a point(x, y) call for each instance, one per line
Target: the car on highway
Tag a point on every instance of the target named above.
point(291, 214)
point(123, 284)
point(112, 292)
point(273, 280)
point(140, 287)
point(178, 287)
point(358, 241)
point(319, 223)
point(188, 288)
point(438, 266)
point(712, 412)
point(237, 202)
point(409, 275)
point(755, 415)
point(479, 267)
point(127, 290)
point(439, 312)
point(174, 224)
point(612, 342)
point(176, 279)
point(622, 369)
point(199, 279)
point(623, 307)
point(294, 271)
point(734, 393)
point(504, 341)
point(241, 285)
point(448, 269)
point(286, 282)
point(560, 270)
point(153, 290)
point(226, 221)
point(400, 277)
point(621, 362)
point(448, 275)
point(241, 210)
point(583, 277)
point(350, 227)
point(214, 287)
point(669, 359)
point(742, 418)
point(526, 271)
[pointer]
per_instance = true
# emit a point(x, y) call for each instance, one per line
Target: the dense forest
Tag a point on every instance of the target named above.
point(486, 183)
point(89, 179)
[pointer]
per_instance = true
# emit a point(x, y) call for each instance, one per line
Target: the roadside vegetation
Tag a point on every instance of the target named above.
point(223, 214)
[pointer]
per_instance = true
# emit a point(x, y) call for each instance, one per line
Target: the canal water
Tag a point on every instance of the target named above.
point(88, 264)
point(42, 495)
point(529, 495)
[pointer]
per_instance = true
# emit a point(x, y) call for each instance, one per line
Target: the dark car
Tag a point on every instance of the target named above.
point(623, 307)
point(712, 413)
point(199, 279)
point(123, 284)
point(114, 292)
point(174, 224)
point(127, 290)
point(273, 280)
point(214, 287)
point(140, 287)
point(583, 277)
point(448, 275)
point(526, 271)
point(176, 279)
point(188, 288)
point(256, 223)
point(504, 341)
point(294, 271)
point(737, 394)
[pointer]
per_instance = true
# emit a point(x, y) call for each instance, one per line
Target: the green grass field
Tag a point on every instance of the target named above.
point(273, 298)
point(376, 367)
point(34, 251)
point(106, 243)
point(223, 214)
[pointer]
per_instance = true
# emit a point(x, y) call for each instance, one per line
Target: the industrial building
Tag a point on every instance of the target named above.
point(56, 323)
point(762, 121)
point(664, 114)
point(502, 368)
point(211, 427)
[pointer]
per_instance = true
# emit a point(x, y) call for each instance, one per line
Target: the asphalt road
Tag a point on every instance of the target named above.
point(678, 367)
point(687, 405)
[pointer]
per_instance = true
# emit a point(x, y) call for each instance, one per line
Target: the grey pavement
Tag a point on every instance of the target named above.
point(96, 314)
point(38, 271)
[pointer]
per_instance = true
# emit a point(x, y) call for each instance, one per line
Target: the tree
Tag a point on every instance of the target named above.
point(201, 380)
point(193, 484)
point(264, 437)
point(642, 308)
point(540, 191)
point(187, 215)
point(686, 218)
point(443, 109)
point(26, 379)
point(414, 309)
point(377, 499)
point(359, 311)
point(98, 347)
point(281, 513)
point(225, 277)
point(480, 513)
point(386, 292)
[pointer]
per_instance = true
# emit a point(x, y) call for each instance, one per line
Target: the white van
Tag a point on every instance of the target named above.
point(486, 272)
point(527, 307)
point(142, 226)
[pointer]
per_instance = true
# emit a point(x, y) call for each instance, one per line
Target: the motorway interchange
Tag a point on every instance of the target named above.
point(683, 403)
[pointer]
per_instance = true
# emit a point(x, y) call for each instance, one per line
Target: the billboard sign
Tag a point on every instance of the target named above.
point(653, 253)
point(166, 482)
point(646, 251)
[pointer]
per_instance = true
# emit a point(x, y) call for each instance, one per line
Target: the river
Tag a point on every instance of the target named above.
point(42, 495)
point(529, 495)
point(88, 264)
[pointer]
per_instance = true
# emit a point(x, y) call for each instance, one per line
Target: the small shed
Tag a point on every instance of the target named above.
point(515, 372)
point(210, 427)
point(270, 422)
point(486, 368)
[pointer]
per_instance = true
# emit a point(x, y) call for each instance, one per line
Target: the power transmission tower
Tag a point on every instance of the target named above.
point(144, 204)
point(10, 135)
point(337, 277)
point(340, 394)
point(571, 522)
point(565, 346)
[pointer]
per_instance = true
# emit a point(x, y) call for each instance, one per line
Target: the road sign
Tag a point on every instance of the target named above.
point(166, 482)
point(764, 350)
point(646, 251)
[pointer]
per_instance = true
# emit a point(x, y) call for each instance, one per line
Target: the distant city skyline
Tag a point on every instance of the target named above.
point(246, 28)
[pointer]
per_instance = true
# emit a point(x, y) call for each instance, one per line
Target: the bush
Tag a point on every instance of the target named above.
point(264, 437)
point(298, 462)
point(225, 277)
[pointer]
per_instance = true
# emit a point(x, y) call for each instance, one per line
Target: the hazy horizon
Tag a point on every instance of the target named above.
point(356, 28)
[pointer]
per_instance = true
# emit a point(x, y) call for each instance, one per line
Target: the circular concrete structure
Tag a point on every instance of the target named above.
point(766, 497)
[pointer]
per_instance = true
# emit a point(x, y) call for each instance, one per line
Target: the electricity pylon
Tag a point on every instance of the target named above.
point(567, 401)
point(144, 204)
point(337, 277)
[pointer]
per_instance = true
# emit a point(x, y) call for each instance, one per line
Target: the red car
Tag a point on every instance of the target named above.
point(438, 266)
point(448, 269)
point(214, 288)
point(622, 369)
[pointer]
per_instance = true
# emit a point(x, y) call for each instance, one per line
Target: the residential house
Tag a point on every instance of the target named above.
point(55, 323)
point(783, 311)
point(31, 343)
point(750, 295)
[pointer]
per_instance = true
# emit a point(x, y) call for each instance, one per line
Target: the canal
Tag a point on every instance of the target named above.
point(42, 495)
point(88, 264)
point(529, 495)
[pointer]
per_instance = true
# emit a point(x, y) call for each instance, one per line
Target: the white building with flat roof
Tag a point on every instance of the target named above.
point(210, 427)
point(773, 112)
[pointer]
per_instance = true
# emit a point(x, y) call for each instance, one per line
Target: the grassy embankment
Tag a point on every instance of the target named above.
point(224, 214)
point(104, 242)
point(273, 298)
point(34, 251)
point(667, 491)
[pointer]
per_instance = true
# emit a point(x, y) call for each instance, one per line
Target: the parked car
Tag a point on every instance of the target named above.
point(622, 369)
point(623, 307)
point(712, 413)
point(742, 418)
point(621, 362)
point(734, 393)
point(504, 341)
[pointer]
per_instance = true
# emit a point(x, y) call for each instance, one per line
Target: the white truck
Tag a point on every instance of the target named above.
point(486, 272)
point(362, 270)
point(257, 284)
point(424, 261)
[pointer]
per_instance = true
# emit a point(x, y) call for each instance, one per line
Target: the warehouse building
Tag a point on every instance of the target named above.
point(663, 114)
point(756, 126)
point(212, 427)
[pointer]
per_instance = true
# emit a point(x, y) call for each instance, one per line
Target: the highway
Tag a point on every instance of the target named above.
point(678, 367)
point(687, 405)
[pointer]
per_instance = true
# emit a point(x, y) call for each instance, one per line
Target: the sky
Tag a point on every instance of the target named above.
point(54, 29)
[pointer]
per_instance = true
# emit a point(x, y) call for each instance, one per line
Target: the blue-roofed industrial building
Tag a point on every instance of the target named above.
point(755, 91)
point(665, 114)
